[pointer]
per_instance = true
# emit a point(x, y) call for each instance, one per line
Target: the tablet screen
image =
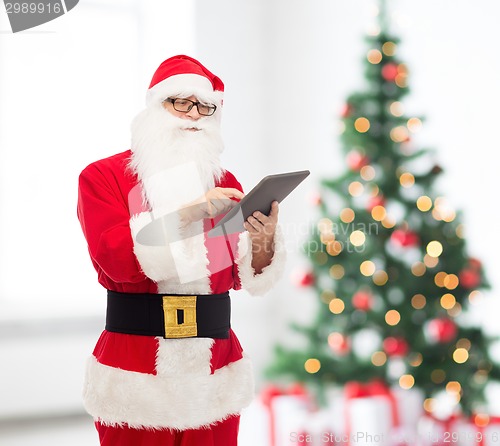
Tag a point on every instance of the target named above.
point(271, 188)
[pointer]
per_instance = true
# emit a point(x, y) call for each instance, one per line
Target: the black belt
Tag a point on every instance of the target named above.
point(171, 316)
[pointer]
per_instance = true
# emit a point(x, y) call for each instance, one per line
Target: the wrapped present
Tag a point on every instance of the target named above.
point(288, 410)
point(295, 419)
point(371, 414)
point(434, 431)
point(319, 425)
point(481, 430)
point(409, 403)
point(359, 415)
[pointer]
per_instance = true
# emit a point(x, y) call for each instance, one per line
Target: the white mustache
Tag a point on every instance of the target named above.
point(194, 125)
point(184, 124)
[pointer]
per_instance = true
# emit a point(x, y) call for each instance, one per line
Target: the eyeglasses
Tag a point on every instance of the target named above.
point(185, 105)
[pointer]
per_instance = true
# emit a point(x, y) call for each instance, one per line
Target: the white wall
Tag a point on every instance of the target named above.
point(69, 90)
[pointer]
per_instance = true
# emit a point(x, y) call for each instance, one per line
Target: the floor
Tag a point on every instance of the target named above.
point(76, 430)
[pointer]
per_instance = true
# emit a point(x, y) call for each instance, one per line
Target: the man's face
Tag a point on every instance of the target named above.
point(192, 115)
point(164, 137)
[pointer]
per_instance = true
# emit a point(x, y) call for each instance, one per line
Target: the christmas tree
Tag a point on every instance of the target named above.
point(389, 261)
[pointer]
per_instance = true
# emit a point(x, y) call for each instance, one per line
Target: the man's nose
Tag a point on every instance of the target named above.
point(193, 113)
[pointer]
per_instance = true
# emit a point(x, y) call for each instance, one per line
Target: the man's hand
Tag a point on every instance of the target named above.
point(216, 201)
point(261, 229)
point(219, 200)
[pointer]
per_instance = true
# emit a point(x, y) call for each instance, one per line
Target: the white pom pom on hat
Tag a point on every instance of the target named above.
point(183, 76)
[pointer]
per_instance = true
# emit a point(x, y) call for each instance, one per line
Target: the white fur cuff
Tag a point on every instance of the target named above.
point(259, 284)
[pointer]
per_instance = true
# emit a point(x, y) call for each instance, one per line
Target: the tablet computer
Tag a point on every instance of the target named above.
point(271, 188)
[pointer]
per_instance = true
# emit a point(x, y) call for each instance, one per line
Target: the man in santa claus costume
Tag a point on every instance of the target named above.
point(168, 369)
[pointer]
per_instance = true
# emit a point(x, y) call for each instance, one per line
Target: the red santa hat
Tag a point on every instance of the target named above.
point(183, 76)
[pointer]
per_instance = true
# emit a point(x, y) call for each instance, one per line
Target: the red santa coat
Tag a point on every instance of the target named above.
point(151, 382)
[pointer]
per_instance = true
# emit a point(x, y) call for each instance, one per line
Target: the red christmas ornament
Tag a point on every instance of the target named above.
point(469, 278)
point(405, 238)
point(395, 346)
point(356, 160)
point(362, 300)
point(379, 200)
point(347, 110)
point(441, 330)
point(339, 344)
point(436, 169)
point(316, 199)
point(475, 264)
point(303, 278)
point(390, 72)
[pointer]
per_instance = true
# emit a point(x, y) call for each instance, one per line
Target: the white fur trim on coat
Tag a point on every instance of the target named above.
point(259, 284)
point(184, 85)
point(198, 286)
point(183, 394)
point(156, 261)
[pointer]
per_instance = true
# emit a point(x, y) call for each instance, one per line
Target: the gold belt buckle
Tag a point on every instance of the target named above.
point(172, 305)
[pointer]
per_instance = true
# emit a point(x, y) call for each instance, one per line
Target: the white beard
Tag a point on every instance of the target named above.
point(174, 165)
